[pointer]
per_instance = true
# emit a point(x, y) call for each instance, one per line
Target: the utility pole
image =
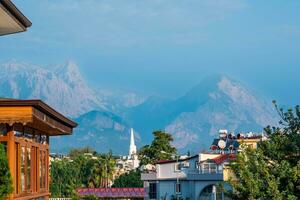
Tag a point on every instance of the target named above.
point(177, 178)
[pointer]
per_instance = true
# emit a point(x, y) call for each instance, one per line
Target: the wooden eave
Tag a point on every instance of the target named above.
point(14, 11)
point(13, 19)
point(36, 114)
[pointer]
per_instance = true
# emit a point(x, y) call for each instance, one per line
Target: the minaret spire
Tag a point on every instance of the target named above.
point(132, 147)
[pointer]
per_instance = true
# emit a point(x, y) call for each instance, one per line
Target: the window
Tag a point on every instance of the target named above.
point(177, 188)
point(23, 169)
point(209, 168)
point(17, 167)
point(177, 166)
point(196, 164)
point(42, 170)
point(213, 168)
point(3, 130)
point(152, 190)
point(28, 169)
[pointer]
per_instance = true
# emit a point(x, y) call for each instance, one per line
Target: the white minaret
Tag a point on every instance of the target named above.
point(132, 147)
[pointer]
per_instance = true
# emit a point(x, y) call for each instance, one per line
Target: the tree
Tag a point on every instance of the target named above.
point(6, 186)
point(272, 171)
point(82, 170)
point(64, 178)
point(80, 151)
point(131, 179)
point(160, 148)
point(85, 166)
point(109, 167)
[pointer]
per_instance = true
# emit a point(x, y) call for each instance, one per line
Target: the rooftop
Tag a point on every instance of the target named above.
point(36, 114)
point(11, 19)
point(113, 192)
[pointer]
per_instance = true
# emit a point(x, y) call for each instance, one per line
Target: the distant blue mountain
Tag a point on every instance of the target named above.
point(100, 130)
point(218, 102)
point(104, 116)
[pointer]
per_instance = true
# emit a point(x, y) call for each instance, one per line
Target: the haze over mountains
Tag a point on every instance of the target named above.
point(105, 116)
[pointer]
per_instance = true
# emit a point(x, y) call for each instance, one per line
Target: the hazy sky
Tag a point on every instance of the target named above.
point(166, 46)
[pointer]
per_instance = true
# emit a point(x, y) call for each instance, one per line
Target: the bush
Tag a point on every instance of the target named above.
point(6, 185)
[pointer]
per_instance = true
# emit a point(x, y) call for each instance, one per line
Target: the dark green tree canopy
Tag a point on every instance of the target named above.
point(81, 170)
point(160, 148)
point(6, 186)
point(272, 171)
point(131, 179)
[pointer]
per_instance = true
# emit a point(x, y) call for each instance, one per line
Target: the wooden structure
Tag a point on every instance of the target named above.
point(11, 19)
point(25, 128)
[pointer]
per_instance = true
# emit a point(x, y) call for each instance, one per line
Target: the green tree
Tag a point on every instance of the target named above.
point(84, 165)
point(272, 171)
point(95, 179)
point(109, 167)
point(64, 178)
point(131, 179)
point(80, 151)
point(6, 186)
point(81, 170)
point(160, 148)
point(90, 197)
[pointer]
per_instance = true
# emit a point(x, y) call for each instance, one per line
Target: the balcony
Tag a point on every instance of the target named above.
point(206, 172)
point(193, 176)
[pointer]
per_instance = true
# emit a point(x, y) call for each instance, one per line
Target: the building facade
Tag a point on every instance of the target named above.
point(127, 163)
point(25, 129)
point(198, 177)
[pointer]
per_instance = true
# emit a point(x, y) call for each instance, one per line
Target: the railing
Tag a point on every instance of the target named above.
point(198, 171)
point(59, 198)
point(207, 177)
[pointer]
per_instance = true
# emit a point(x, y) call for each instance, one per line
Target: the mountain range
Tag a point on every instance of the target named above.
point(105, 116)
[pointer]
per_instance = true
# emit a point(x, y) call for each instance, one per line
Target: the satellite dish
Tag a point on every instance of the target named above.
point(222, 144)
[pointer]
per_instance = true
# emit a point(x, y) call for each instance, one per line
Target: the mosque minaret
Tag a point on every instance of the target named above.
point(133, 157)
point(132, 146)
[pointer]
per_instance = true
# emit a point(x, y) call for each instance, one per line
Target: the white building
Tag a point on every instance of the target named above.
point(193, 178)
point(198, 177)
point(130, 162)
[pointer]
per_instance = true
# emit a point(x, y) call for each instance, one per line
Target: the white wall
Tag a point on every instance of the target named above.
point(168, 187)
point(168, 171)
point(205, 156)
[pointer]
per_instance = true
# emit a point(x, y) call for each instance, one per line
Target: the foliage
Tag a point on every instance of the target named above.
point(272, 171)
point(6, 186)
point(131, 179)
point(102, 171)
point(83, 170)
point(64, 178)
point(80, 151)
point(91, 197)
point(160, 148)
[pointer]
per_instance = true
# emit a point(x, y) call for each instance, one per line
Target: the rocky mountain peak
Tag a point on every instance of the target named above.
point(14, 66)
point(70, 73)
point(62, 88)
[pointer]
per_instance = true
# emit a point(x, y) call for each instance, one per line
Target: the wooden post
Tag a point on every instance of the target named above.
point(11, 157)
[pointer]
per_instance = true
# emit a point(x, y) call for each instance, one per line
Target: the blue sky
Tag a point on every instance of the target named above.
point(166, 46)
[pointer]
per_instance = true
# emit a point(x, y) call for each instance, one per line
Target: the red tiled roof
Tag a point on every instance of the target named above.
point(223, 157)
point(113, 192)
